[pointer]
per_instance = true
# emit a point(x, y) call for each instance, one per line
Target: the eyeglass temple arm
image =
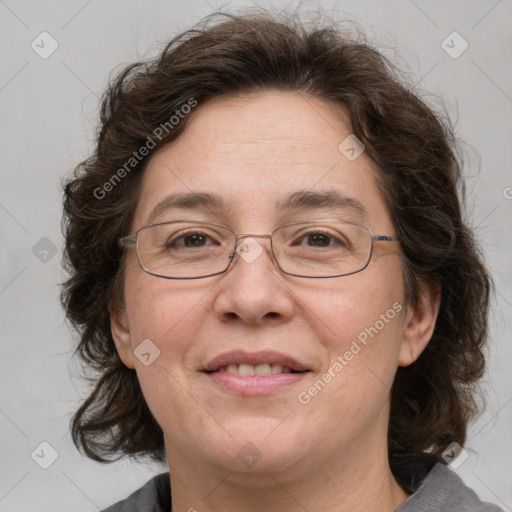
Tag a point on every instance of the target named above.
point(127, 240)
point(383, 238)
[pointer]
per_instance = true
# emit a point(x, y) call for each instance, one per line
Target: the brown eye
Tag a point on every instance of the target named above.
point(190, 239)
point(319, 240)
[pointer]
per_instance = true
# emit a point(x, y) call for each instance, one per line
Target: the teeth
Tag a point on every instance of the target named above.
point(232, 368)
point(260, 370)
point(246, 370)
point(277, 368)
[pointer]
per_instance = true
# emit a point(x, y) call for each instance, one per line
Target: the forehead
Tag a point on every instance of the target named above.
point(257, 152)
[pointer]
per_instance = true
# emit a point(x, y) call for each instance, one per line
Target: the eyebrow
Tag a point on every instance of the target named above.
point(294, 201)
point(329, 199)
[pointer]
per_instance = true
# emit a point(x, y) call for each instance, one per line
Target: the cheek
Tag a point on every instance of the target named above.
point(165, 311)
point(360, 304)
point(170, 315)
point(359, 322)
point(362, 345)
point(164, 319)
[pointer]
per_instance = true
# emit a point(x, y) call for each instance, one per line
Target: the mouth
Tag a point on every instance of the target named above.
point(254, 374)
point(260, 370)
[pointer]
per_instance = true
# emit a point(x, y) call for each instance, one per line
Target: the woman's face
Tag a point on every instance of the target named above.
point(348, 332)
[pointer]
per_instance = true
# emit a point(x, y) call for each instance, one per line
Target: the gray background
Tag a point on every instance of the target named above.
point(48, 112)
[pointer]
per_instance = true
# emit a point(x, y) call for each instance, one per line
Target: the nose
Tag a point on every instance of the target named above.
point(253, 290)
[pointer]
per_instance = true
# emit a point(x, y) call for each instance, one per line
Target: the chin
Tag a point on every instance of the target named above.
point(259, 448)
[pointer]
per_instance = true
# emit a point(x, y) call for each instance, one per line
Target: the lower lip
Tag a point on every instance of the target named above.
point(253, 386)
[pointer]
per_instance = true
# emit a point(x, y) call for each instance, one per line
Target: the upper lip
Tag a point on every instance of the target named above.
point(254, 358)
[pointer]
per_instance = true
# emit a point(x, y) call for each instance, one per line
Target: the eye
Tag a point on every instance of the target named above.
point(321, 238)
point(189, 239)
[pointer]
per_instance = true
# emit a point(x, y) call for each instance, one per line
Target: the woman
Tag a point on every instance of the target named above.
point(270, 272)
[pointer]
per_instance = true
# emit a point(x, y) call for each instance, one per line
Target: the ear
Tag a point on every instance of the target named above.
point(420, 321)
point(121, 334)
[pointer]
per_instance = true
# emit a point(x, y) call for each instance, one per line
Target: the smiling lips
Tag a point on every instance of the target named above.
point(254, 374)
point(268, 362)
point(260, 370)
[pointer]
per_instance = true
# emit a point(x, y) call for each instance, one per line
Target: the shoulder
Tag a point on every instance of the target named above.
point(441, 490)
point(154, 496)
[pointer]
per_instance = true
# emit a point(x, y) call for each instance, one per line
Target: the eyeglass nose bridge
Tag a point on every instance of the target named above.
point(238, 246)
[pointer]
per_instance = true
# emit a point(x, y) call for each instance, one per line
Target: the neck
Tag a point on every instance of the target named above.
point(331, 485)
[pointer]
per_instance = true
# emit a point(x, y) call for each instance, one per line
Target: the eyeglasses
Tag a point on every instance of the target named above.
point(186, 249)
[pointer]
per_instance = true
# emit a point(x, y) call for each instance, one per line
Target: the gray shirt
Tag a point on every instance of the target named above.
point(440, 491)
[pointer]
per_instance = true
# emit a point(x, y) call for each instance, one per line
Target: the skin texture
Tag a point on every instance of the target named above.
point(329, 454)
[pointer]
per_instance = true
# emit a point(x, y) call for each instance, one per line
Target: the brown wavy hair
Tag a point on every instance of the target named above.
point(419, 166)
